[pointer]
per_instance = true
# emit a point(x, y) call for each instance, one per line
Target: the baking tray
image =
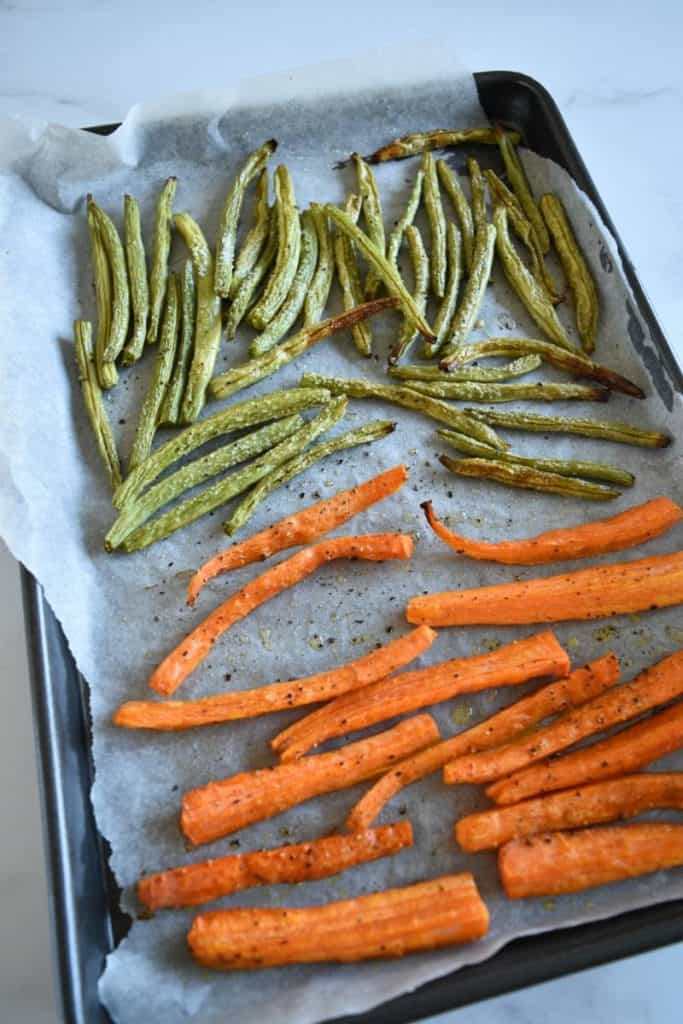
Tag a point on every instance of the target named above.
point(86, 920)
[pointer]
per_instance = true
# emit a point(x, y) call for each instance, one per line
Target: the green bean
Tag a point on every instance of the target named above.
point(483, 374)
point(294, 303)
point(408, 216)
point(450, 300)
point(440, 138)
point(349, 277)
point(170, 409)
point(120, 303)
point(92, 396)
point(451, 185)
point(229, 487)
point(319, 291)
point(237, 417)
point(468, 310)
point(252, 279)
point(161, 375)
point(573, 362)
point(192, 474)
point(360, 435)
point(387, 273)
point(528, 478)
point(239, 377)
point(437, 225)
point(287, 258)
point(162, 247)
point(256, 237)
point(371, 205)
point(522, 227)
point(606, 430)
point(571, 467)
point(232, 208)
point(106, 370)
point(520, 186)
point(478, 193)
point(408, 399)
point(207, 328)
point(420, 262)
point(575, 269)
point(538, 391)
point(532, 295)
point(137, 280)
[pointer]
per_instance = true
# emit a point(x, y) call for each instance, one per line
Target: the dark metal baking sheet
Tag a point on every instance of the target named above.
point(86, 920)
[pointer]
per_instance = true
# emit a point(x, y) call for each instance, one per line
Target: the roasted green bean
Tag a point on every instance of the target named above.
point(162, 247)
point(387, 272)
point(371, 206)
point(408, 399)
point(237, 417)
point(171, 406)
point(482, 374)
point(565, 467)
point(120, 301)
point(468, 310)
point(287, 257)
point(137, 280)
point(256, 236)
point(207, 329)
point(528, 478)
point(439, 138)
point(92, 397)
point(573, 362)
point(361, 435)
point(407, 217)
point(251, 280)
point(437, 225)
point(192, 474)
point(605, 430)
point(106, 371)
point(420, 262)
point(538, 391)
point(520, 186)
point(161, 375)
point(232, 208)
point(294, 303)
point(449, 302)
point(575, 269)
point(532, 294)
point(463, 210)
point(478, 193)
point(349, 277)
point(318, 293)
point(229, 487)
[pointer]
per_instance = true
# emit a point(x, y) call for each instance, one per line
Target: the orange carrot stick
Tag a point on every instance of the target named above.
point(649, 583)
point(300, 528)
point(535, 656)
point(578, 687)
point(627, 751)
point(222, 807)
point(555, 863)
point(301, 862)
point(656, 685)
point(229, 707)
point(425, 916)
point(186, 656)
point(572, 808)
point(626, 530)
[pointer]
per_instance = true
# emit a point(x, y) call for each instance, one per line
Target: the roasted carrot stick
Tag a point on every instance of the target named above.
point(649, 583)
point(428, 915)
point(555, 863)
point(572, 808)
point(627, 751)
point(222, 807)
point(190, 651)
point(578, 687)
point(539, 655)
point(626, 530)
point(655, 686)
point(300, 528)
point(300, 862)
point(229, 707)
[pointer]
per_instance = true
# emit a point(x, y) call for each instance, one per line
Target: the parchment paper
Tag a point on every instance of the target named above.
point(122, 614)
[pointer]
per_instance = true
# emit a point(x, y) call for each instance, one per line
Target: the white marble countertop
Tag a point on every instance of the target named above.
point(616, 72)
